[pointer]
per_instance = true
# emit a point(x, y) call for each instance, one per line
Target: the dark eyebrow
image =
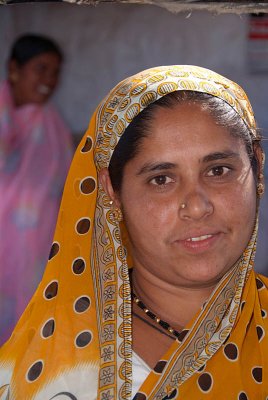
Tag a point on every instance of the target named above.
point(220, 156)
point(150, 167)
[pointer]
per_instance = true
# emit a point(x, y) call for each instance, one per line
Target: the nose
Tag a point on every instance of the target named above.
point(196, 205)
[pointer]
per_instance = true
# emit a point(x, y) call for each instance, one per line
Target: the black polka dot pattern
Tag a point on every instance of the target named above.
point(67, 395)
point(231, 351)
point(159, 367)
point(88, 185)
point(51, 290)
point(64, 395)
point(260, 284)
point(183, 333)
point(257, 374)
point(202, 368)
point(35, 371)
point(82, 304)
point(243, 305)
point(205, 382)
point(54, 250)
point(172, 395)
point(242, 396)
point(139, 396)
point(78, 266)
point(87, 146)
point(83, 339)
point(263, 313)
point(48, 328)
point(260, 332)
point(83, 226)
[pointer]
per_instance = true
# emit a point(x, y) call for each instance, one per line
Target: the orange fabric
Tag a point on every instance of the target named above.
point(74, 338)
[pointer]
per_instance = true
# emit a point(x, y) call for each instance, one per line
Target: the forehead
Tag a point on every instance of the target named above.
point(187, 130)
point(48, 58)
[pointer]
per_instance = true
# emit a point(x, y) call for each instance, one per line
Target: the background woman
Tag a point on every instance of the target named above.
point(167, 180)
point(35, 151)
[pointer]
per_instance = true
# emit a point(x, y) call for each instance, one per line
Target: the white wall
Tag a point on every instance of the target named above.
point(105, 43)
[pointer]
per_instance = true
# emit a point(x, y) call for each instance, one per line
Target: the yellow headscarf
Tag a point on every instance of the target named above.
point(74, 339)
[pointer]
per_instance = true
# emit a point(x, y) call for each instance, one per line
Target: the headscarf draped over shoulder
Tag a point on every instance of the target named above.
point(74, 339)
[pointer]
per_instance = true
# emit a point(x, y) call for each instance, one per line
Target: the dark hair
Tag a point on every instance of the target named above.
point(29, 46)
point(223, 114)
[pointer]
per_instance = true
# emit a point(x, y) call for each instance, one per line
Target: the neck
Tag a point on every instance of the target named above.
point(175, 304)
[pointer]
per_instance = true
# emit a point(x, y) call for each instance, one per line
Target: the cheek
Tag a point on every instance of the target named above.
point(248, 207)
point(239, 207)
point(25, 88)
point(29, 78)
point(149, 217)
point(247, 200)
point(163, 214)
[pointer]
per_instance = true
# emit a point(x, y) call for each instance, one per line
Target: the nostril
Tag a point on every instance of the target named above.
point(196, 206)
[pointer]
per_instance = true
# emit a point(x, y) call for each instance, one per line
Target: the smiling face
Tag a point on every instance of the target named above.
point(35, 81)
point(188, 159)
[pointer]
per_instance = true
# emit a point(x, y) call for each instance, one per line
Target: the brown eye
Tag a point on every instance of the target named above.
point(161, 180)
point(218, 171)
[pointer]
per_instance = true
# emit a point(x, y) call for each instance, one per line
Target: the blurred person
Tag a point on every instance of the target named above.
point(35, 153)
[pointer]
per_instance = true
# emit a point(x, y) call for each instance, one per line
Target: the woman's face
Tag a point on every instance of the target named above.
point(35, 81)
point(188, 159)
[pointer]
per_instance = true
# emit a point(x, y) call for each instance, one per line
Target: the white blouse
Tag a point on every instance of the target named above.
point(140, 371)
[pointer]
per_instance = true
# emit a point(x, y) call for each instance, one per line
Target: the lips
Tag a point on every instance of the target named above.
point(198, 238)
point(197, 235)
point(197, 242)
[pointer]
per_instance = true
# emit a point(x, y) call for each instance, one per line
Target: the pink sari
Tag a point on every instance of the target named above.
point(35, 153)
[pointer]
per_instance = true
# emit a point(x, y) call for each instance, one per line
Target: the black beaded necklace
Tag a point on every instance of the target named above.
point(156, 327)
point(154, 317)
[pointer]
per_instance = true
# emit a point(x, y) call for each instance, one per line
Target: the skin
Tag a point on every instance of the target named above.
point(35, 81)
point(186, 158)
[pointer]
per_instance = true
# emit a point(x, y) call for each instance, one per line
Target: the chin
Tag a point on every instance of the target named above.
point(206, 276)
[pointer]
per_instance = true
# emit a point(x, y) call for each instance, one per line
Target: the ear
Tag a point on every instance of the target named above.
point(260, 156)
point(105, 180)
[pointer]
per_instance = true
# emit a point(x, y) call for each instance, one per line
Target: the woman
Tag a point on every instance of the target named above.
point(167, 180)
point(35, 152)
